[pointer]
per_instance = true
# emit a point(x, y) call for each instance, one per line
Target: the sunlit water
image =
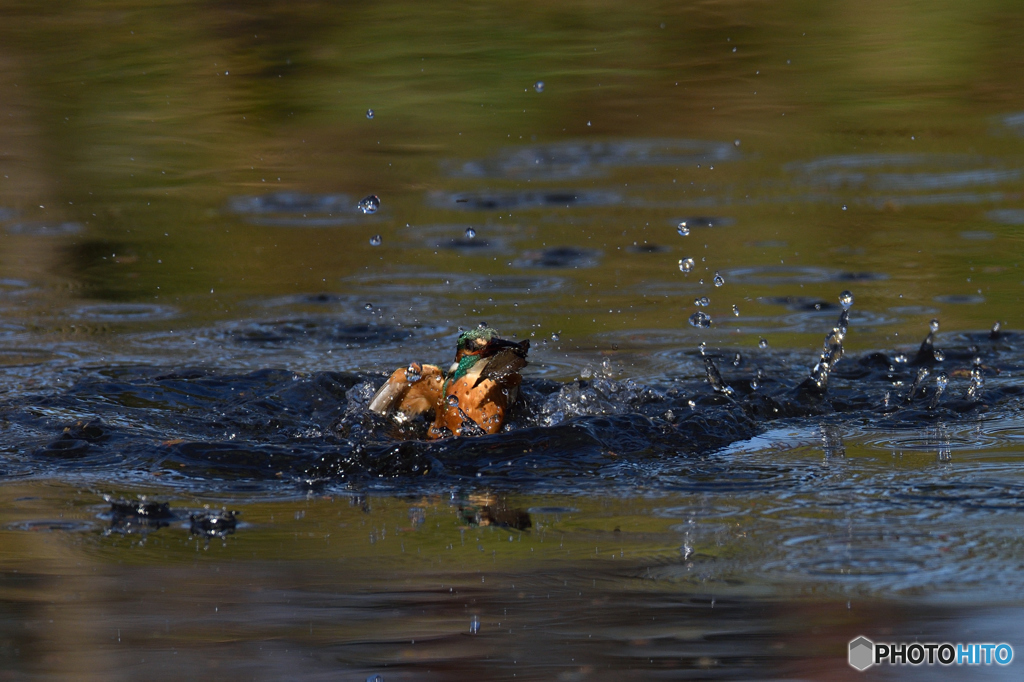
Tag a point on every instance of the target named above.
point(220, 228)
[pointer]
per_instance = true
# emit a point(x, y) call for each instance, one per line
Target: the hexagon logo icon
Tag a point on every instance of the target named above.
point(862, 653)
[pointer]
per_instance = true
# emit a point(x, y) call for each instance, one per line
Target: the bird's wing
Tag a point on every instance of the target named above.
point(390, 394)
point(397, 393)
point(500, 367)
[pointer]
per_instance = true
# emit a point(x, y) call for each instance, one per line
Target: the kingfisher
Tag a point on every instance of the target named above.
point(475, 395)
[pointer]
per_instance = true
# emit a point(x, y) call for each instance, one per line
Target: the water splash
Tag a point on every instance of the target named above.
point(715, 377)
point(369, 205)
point(700, 319)
point(977, 385)
point(926, 353)
point(941, 381)
point(832, 348)
point(922, 374)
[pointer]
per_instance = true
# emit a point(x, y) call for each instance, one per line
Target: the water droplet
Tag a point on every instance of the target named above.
point(700, 320)
point(702, 346)
point(470, 233)
point(735, 310)
point(939, 355)
point(375, 678)
point(719, 280)
point(481, 325)
point(588, 124)
point(846, 300)
point(934, 325)
point(682, 229)
point(474, 625)
point(539, 86)
point(737, 360)
point(901, 358)
point(762, 342)
point(367, 306)
point(453, 400)
point(736, 143)
point(844, 207)
point(555, 337)
point(686, 264)
point(375, 240)
point(703, 301)
point(369, 113)
point(369, 204)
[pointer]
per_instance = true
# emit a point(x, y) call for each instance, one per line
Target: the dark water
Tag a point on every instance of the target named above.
point(194, 313)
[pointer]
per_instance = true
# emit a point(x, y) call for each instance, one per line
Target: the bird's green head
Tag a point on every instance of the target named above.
point(474, 341)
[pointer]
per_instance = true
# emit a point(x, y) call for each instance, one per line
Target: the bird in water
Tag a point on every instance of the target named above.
point(475, 396)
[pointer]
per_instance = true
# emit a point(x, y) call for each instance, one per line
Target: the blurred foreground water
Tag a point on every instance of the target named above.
point(195, 303)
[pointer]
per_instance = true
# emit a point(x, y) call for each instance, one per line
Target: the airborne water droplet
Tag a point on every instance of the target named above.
point(934, 325)
point(762, 342)
point(375, 240)
point(719, 280)
point(470, 233)
point(474, 623)
point(369, 113)
point(846, 300)
point(539, 86)
point(555, 337)
point(735, 310)
point(700, 320)
point(682, 229)
point(686, 264)
point(703, 301)
point(369, 204)
point(939, 355)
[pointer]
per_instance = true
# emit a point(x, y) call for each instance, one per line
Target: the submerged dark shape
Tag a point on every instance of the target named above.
point(142, 508)
point(558, 257)
point(140, 516)
point(213, 524)
point(76, 439)
point(487, 510)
